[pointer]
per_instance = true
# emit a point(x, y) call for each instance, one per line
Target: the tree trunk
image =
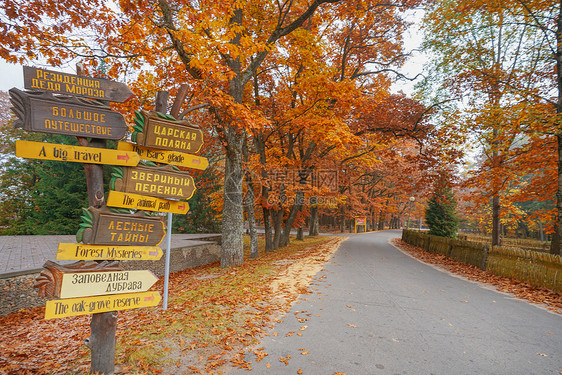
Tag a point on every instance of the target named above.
point(268, 229)
point(291, 218)
point(555, 246)
point(496, 220)
point(313, 227)
point(102, 342)
point(250, 208)
point(232, 252)
point(278, 227)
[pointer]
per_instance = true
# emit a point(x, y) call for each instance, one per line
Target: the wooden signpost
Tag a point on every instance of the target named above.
point(77, 154)
point(103, 227)
point(94, 305)
point(108, 236)
point(71, 84)
point(169, 157)
point(45, 113)
point(96, 284)
point(72, 251)
point(160, 182)
point(163, 132)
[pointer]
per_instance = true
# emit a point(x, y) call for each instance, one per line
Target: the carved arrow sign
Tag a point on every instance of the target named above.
point(73, 251)
point(84, 284)
point(91, 305)
point(161, 182)
point(141, 202)
point(45, 113)
point(103, 227)
point(169, 157)
point(72, 84)
point(151, 130)
point(78, 154)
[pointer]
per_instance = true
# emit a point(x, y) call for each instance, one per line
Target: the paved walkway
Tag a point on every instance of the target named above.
point(28, 253)
point(375, 310)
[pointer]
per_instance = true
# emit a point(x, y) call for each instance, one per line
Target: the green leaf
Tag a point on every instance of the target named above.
point(80, 234)
point(165, 116)
point(148, 163)
point(139, 124)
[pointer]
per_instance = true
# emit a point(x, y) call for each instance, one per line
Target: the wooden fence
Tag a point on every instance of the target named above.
point(535, 268)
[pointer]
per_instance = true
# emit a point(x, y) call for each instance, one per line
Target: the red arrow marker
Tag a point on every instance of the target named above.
point(151, 298)
point(196, 161)
point(123, 157)
point(153, 253)
point(182, 207)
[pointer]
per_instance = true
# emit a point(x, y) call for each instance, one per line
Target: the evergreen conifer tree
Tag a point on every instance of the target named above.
point(440, 215)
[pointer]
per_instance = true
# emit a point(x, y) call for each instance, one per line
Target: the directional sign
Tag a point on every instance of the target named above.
point(71, 84)
point(85, 284)
point(45, 113)
point(78, 154)
point(73, 251)
point(101, 226)
point(141, 202)
point(169, 157)
point(91, 305)
point(154, 131)
point(162, 182)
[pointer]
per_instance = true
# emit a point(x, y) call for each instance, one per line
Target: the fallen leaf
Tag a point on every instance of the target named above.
point(268, 365)
point(303, 328)
point(542, 354)
point(352, 325)
point(299, 371)
point(304, 352)
point(550, 333)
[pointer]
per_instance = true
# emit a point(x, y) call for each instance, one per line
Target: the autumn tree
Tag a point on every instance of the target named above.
point(488, 55)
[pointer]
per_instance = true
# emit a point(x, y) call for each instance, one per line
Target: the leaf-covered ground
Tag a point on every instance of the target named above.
point(541, 296)
point(213, 315)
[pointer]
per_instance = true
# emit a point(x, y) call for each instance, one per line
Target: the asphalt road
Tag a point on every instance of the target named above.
point(375, 310)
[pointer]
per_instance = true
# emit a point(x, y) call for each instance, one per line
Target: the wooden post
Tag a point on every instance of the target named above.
point(103, 325)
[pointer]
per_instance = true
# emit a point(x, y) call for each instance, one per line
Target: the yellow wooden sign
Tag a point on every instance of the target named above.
point(74, 251)
point(77, 154)
point(85, 284)
point(168, 157)
point(90, 305)
point(141, 202)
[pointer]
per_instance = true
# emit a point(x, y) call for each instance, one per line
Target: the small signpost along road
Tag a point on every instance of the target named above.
point(96, 284)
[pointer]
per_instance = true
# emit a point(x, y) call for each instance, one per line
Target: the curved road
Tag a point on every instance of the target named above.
point(374, 310)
